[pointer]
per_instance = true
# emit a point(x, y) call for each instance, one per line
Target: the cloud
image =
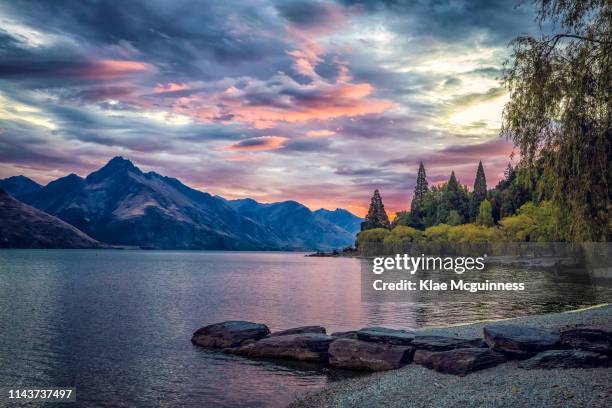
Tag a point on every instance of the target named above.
point(261, 98)
point(261, 143)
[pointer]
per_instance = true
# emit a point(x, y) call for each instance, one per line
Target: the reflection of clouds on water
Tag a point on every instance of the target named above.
point(117, 324)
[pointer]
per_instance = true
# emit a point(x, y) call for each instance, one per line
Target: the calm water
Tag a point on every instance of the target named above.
point(117, 324)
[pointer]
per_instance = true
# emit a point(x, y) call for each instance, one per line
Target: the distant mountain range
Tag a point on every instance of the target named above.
point(22, 226)
point(120, 205)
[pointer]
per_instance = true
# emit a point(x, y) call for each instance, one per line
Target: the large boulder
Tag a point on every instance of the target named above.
point(566, 359)
point(229, 334)
point(305, 347)
point(443, 343)
point(386, 336)
point(363, 355)
point(300, 330)
point(597, 339)
point(351, 334)
point(519, 341)
point(459, 361)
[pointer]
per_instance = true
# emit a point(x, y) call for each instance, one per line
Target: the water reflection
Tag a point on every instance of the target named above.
point(116, 324)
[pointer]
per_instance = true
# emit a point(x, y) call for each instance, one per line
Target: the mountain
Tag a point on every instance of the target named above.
point(22, 226)
point(19, 186)
point(295, 224)
point(342, 218)
point(119, 204)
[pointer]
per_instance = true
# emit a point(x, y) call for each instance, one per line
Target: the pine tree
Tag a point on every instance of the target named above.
point(377, 216)
point(420, 189)
point(453, 184)
point(480, 191)
point(417, 207)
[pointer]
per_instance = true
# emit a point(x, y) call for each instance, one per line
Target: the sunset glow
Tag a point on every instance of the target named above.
point(315, 101)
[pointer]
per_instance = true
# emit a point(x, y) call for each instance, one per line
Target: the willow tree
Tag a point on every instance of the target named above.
point(560, 109)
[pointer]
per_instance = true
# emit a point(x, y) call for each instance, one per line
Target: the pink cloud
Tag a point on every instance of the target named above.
point(320, 133)
point(170, 87)
point(109, 68)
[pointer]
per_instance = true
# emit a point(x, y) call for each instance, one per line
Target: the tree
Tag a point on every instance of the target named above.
point(560, 109)
point(456, 197)
point(485, 216)
point(420, 189)
point(418, 199)
point(377, 216)
point(480, 191)
point(454, 218)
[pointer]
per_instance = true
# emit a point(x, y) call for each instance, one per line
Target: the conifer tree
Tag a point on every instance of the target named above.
point(377, 216)
point(420, 189)
point(480, 191)
point(417, 207)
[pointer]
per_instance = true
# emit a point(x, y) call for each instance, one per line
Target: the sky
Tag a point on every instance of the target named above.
point(315, 101)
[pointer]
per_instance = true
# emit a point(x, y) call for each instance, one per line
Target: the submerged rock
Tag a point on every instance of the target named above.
point(597, 339)
point(459, 361)
point(363, 355)
point(519, 341)
point(305, 347)
point(386, 336)
point(229, 334)
point(566, 359)
point(443, 343)
point(299, 330)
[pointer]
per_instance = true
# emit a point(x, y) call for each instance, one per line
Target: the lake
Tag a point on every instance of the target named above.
point(117, 324)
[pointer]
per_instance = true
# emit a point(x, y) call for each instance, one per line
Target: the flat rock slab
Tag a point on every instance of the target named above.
point(597, 339)
point(299, 330)
point(459, 361)
point(363, 355)
point(386, 336)
point(229, 334)
point(352, 334)
point(566, 359)
point(443, 343)
point(304, 347)
point(519, 341)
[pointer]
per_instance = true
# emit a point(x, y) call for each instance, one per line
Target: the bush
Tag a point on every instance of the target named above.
point(402, 233)
point(473, 233)
point(535, 223)
point(372, 235)
point(437, 233)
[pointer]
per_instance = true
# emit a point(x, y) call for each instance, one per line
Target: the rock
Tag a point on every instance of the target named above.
point(304, 346)
point(363, 355)
point(566, 359)
point(597, 339)
point(443, 343)
point(299, 330)
point(385, 335)
point(459, 361)
point(352, 334)
point(519, 341)
point(229, 334)
point(421, 356)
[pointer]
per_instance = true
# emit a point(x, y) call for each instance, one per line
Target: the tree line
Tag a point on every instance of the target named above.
point(559, 117)
point(518, 208)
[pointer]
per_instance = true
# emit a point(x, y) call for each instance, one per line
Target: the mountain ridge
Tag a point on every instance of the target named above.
point(121, 205)
point(23, 226)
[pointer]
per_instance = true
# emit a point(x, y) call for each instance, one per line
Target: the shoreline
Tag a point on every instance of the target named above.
point(505, 385)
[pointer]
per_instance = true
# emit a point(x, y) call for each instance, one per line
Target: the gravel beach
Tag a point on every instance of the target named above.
point(506, 385)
